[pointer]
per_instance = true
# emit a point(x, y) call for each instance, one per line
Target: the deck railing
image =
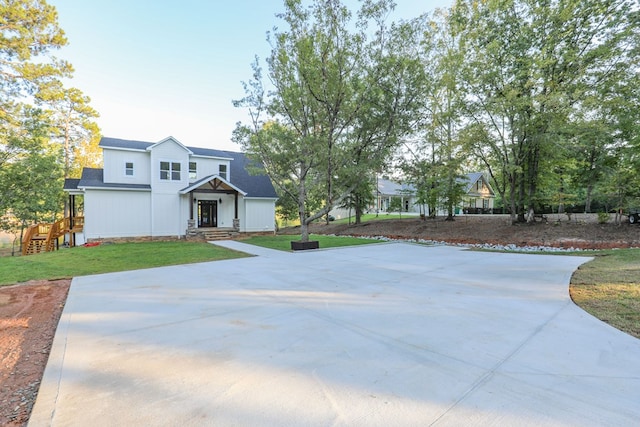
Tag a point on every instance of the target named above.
point(43, 237)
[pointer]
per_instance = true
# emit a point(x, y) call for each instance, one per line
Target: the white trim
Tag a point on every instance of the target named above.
point(133, 169)
point(167, 139)
point(209, 178)
point(261, 198)
point(201, 156)
point(113, 189)
point(170, 170)
point(189, 170)
point(137, 150)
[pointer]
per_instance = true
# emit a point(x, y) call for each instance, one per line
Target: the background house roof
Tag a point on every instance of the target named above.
point(470, 179)
point(392, 188)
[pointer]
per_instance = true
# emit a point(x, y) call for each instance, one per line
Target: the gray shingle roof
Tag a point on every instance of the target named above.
point(252, 185)
point(470, 179)
point(142, 145)
point(388, 187)
point(93, 177)
point(71, 184)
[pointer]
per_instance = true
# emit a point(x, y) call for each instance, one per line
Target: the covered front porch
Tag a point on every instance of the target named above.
point(213, 207)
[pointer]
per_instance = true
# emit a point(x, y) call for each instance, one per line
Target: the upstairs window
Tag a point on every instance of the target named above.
point(222, 171)
point(170, 171)
point(193, 170)
point(128, 169)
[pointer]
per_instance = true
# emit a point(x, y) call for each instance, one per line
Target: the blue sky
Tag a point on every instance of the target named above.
point(155, 68)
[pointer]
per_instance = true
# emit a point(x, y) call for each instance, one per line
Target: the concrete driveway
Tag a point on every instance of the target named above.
point(378, 335)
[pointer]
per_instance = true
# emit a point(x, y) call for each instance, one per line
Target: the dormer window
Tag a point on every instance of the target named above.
point(170, 171)
point(128, 169)
point(193, 170)
point(222, 171)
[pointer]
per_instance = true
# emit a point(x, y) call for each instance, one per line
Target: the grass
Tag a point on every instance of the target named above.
point(609, 288)
point(373, 217)
point(81, 261)
point(283, 242)
point(366, 217)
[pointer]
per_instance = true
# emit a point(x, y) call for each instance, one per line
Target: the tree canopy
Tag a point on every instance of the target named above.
point(343, 94)
point(44, 126)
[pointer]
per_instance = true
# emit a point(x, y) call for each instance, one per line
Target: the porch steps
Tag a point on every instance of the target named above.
point(44, 237)
point(220, 234)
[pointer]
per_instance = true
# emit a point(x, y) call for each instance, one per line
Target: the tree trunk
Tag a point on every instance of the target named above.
point(587, 202)
point(358, 209)
point(302, 195)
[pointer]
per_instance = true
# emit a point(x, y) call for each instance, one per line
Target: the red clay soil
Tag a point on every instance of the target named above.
point(29, 315)
point(29, 312)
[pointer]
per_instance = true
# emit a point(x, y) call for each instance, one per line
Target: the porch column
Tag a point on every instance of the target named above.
point(235, 206)
point(236, 220)
point(72, 214)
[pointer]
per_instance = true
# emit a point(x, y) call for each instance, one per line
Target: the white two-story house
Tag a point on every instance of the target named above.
point(166, 189)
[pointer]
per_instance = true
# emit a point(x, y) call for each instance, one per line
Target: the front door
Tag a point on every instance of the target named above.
point(207, 213)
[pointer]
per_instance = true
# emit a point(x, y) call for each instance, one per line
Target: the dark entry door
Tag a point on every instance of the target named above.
point(207, 213)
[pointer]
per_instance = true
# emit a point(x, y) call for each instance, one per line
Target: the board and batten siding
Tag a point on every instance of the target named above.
point(114, 167)
point(207, 167)
point(117, 213)
point(258, 215)
point(166, 211)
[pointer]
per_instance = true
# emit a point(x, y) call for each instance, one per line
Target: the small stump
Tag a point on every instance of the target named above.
point(303, 246)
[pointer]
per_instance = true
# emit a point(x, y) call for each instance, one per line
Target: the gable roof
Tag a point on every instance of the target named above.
point(206, 179)
point(172, 139)
point(241, 180)
point(470, 180)
point(129, 144)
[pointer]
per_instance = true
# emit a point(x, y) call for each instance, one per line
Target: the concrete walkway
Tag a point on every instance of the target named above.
point(377, 335)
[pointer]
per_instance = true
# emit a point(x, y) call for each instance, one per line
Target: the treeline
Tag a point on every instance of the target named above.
point(541, 95)
point(47, 130)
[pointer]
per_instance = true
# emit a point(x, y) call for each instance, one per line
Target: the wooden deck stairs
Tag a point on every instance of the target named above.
point(44, 237)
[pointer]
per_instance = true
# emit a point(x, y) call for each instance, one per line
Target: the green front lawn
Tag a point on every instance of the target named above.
point(609, 288)
point(373, 217)
point(283, 242)
point(82, 261)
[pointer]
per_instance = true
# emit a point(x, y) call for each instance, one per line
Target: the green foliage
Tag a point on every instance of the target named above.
point(74, 129)
point(81, 261)
point(31, 175)
point(340, 103)
point(603, 217)
point(31, 165)
point(435, 164)
point(532, 68)
point(395, 205)
point(29, 32)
